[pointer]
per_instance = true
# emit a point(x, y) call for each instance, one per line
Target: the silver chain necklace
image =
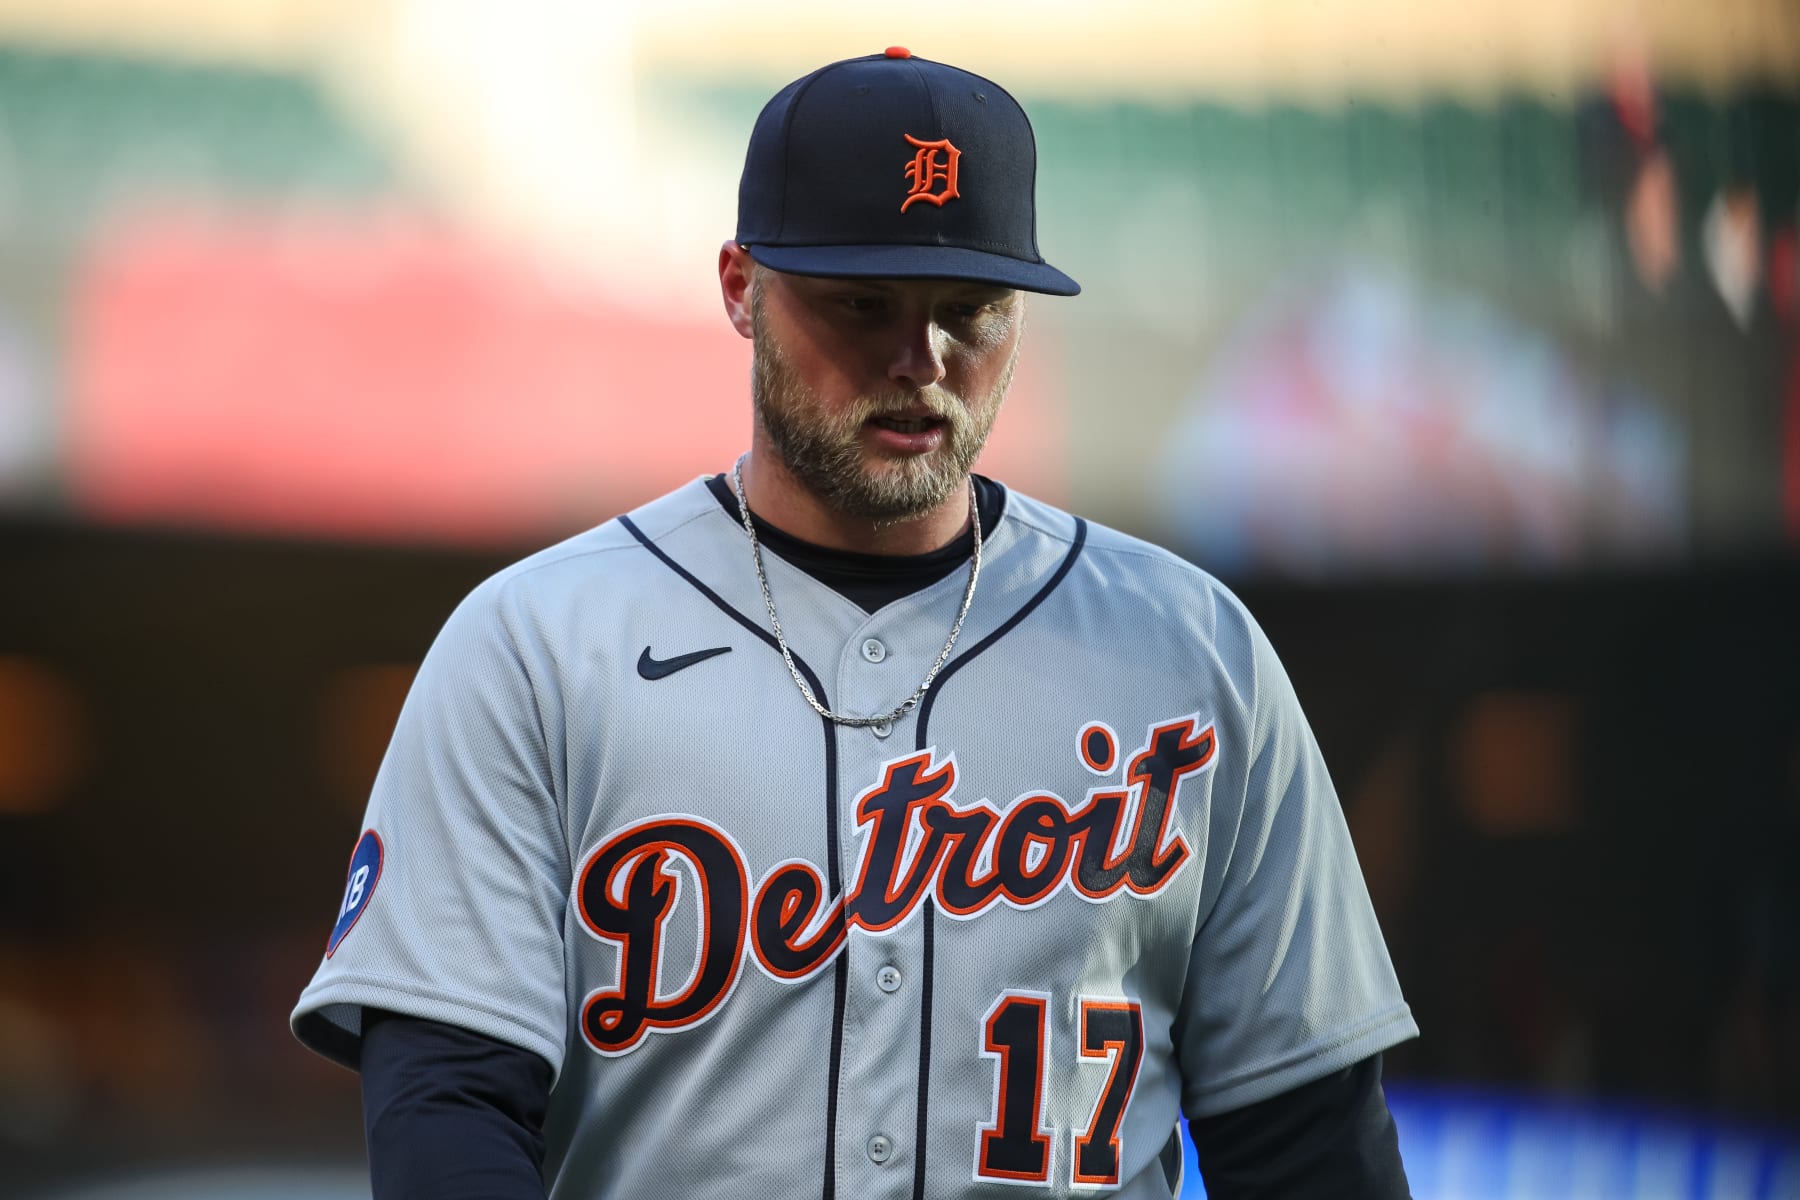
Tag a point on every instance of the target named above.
point(762, 579)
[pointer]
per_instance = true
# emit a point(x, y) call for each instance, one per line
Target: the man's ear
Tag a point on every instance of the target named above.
point(737, 272)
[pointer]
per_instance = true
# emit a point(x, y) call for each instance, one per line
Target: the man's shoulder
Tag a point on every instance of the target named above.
point(1134, 585)
point(597, 560)
point(1121, 556)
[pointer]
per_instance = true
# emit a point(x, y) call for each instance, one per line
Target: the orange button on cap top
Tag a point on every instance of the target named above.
point(898, 52)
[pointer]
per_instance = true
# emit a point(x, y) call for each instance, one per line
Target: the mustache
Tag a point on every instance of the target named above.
point(937, 401)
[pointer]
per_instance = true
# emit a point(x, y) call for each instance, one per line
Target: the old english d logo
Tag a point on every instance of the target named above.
point(932, 166)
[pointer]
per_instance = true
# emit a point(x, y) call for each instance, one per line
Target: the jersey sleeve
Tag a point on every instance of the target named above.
point(453, 910)
point(1289, 979)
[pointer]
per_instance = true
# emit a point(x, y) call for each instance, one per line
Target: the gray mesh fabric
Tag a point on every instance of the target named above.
point(1217, 901)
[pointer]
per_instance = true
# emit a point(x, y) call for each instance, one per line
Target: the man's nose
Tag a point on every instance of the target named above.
point(917, 361)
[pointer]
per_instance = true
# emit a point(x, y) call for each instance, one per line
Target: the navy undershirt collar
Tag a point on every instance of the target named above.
point(871, 580)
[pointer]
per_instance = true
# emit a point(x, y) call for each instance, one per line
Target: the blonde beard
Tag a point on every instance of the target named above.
point(824, 451)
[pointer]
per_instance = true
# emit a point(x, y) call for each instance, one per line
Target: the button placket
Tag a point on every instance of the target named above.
point(879, 989)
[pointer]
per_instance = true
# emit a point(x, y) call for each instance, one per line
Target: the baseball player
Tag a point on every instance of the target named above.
point(846, 824)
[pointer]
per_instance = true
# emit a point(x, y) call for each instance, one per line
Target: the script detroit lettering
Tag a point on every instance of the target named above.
point(968, 859)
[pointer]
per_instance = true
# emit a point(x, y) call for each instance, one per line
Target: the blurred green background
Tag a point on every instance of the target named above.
point(1462, 340)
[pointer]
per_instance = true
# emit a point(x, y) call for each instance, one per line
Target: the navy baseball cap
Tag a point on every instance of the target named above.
point(895, 167)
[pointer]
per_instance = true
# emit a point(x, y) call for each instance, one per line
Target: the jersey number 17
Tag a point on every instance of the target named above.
point(1015, 1146)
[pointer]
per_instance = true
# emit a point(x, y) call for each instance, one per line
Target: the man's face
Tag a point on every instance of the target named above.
point(879, 394)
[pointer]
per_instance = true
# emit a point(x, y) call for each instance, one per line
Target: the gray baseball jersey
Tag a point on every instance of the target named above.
point(1097, 878)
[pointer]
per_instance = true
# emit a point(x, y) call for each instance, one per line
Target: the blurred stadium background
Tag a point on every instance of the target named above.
point(1463, 339)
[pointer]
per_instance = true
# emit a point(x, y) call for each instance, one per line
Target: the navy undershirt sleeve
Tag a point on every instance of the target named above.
point(1331, 1139)
point(450, 1114)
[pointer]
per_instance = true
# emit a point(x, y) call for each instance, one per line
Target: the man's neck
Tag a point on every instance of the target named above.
point(778, 497)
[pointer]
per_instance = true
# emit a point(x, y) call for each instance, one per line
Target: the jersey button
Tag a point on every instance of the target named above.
point(882, 729)
point(873, 650)
point(880, 1148)
point(888, 978)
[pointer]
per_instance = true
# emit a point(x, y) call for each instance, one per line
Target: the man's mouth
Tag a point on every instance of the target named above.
point(909, 424)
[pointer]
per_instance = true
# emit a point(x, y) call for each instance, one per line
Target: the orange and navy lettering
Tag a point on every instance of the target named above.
point(1113, 1032)
point(1099, 747)
point(928, 171)
point(916, 841)
point(1016, 1147)
point(789, 941)
point(880, 899)
point(625, 893)
point(1175, 750)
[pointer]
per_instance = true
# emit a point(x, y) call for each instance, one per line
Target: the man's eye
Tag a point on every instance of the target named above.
point(862, 304)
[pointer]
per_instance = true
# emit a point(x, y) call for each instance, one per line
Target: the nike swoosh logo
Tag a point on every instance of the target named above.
point(658, 668)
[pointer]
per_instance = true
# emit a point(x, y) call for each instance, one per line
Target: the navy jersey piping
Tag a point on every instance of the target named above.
point(842, 971)
point(929, 914)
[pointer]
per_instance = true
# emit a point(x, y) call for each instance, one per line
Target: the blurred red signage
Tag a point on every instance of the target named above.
point(374, 378)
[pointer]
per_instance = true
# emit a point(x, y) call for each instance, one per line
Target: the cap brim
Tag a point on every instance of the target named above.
point(916, 262)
